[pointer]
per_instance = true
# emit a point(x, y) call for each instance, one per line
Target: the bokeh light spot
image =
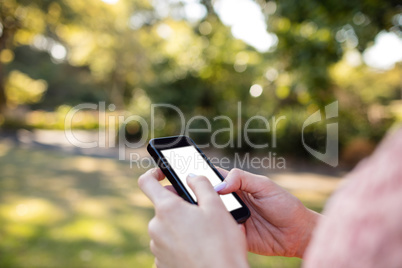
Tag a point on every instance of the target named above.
point(271, 74)
point(58, 52)
point(255, 90)
point(112, 2)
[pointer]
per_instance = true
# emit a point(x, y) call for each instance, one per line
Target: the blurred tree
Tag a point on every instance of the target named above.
point(20, 22)
point(202, 70)
point(101, 37)
point(314, 34)
point(135, 52)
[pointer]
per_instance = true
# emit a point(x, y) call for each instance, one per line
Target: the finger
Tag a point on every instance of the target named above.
point(157, 263)
point(171, 188)
point(242, 228)
point(238, 179)
point(154, 229)
point(223, 172)
point(148, 183)
point(157, 172)
point(152, 247)
point(204, 191)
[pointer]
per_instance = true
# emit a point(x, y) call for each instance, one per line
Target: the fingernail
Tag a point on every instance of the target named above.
point(191, 175)
point(220, 186)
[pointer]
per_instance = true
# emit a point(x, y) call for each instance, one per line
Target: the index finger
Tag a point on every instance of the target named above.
point(148, 183)
point(223, 172)
point(204, 191)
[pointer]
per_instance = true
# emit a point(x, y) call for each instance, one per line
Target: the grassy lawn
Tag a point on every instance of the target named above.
point(59, 210)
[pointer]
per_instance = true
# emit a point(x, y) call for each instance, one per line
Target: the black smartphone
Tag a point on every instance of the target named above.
point(179, 156)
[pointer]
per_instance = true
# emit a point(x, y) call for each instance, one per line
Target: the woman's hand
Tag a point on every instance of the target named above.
point(279, 224)
point(186, 235)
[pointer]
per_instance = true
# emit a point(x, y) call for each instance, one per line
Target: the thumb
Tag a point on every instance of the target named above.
point(238, 179)
point(204, 191)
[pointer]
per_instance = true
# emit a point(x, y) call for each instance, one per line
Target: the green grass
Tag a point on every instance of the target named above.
point(59, 210)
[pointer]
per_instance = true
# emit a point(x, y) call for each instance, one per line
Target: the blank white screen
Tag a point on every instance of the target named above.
point(186, 160)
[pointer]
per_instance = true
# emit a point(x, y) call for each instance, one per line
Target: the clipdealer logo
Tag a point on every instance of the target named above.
point(330, 156)
point(111, 126)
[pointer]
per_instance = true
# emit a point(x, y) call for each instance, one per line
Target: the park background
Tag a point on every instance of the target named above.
point(62, 206)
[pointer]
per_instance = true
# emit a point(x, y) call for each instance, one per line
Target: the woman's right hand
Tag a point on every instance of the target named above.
point(280, 225)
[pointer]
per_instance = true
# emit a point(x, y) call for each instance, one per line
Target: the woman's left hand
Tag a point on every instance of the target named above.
point(187, 235)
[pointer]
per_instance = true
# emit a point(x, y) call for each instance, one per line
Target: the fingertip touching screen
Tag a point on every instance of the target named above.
point(186, 160)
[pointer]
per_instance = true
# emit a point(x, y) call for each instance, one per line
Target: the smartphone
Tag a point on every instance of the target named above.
point(179, 156)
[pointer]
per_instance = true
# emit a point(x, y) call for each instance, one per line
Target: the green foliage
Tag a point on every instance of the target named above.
point(315, 34)
point(131, 55)
point(204, 78)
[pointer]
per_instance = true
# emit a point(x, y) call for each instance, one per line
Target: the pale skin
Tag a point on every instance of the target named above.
point(186, 235)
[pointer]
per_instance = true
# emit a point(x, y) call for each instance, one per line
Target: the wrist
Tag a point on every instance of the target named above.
point(231, 260)
point(310, 222)
point(238, 263)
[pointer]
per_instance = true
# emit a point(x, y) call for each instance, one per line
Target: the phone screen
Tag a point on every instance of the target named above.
point(186, 160)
